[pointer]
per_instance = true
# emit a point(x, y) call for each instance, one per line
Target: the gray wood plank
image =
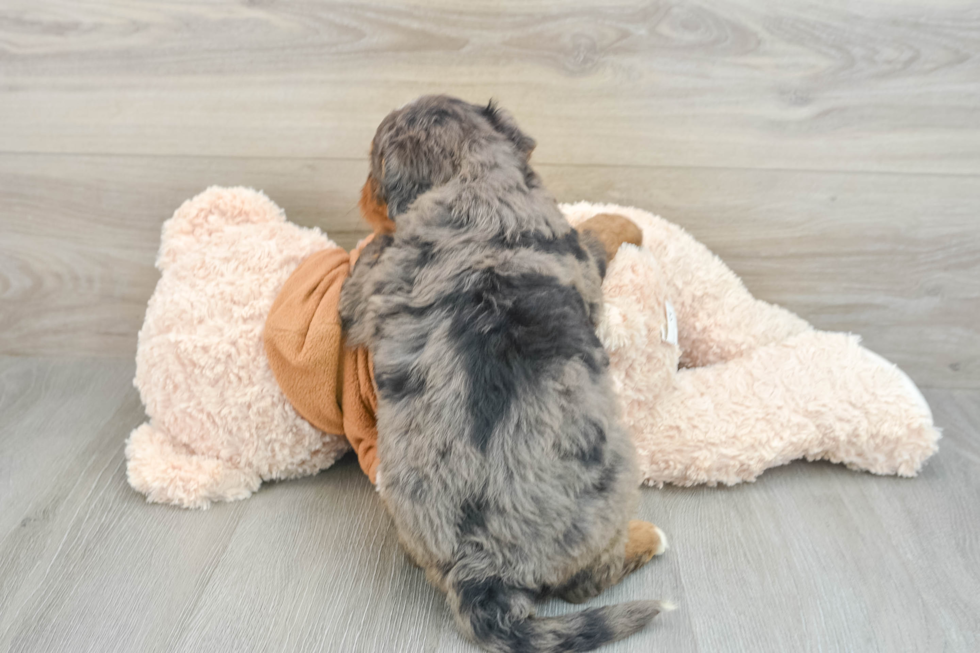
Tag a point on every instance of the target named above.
point(829, 152)
point(895, 258)
point(797, 84)
point(49, 412)
point(812, 557)
point(75, 573)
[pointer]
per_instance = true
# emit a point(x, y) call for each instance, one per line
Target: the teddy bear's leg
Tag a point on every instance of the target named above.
point(816, 396)
point(718, 319)
point(165, 474)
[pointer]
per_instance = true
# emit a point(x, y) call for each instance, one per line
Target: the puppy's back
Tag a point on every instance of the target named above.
point(503, 462)
point(505, 467)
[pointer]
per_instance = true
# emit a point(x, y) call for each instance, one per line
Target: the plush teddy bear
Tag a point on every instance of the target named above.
point(246, 297)
point(219, 424)
point(757, 385)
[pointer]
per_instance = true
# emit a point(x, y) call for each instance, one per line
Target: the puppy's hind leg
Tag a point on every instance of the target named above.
point(628, 552)
point(604, 571)
point(644, 541)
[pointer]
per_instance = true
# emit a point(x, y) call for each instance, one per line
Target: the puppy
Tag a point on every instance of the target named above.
point(503, 462)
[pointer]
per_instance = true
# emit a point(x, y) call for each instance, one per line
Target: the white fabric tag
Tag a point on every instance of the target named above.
point(668, 332)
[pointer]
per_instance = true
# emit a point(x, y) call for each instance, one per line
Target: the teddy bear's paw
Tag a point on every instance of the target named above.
point(613, 329)
point(912, 390)
point(901, 420)
point(167, 472)
point(864, 411)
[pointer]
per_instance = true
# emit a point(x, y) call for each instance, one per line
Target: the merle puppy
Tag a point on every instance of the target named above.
point(503, 462)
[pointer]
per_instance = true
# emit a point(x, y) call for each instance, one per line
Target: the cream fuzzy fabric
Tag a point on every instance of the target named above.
point(219, 424)
point(757, 387)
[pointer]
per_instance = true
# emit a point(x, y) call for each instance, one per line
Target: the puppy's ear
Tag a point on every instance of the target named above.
point(504, 123)
point(405, 175)
point(595, 249)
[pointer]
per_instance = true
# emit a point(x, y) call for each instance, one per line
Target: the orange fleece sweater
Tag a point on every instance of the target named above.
point(331, 386)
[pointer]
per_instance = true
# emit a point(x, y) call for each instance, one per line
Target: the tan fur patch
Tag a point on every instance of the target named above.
point(375, 211)
point(643, 543)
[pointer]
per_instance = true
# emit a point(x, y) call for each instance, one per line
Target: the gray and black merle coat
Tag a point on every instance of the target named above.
point(503, 462)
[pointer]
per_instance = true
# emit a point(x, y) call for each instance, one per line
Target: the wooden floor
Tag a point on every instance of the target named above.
point(829, 151)
point(812, 557)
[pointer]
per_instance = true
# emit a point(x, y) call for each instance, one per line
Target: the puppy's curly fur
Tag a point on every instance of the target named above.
point(503, 462)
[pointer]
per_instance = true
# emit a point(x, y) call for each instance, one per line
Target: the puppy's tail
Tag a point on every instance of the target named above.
point(500, 619)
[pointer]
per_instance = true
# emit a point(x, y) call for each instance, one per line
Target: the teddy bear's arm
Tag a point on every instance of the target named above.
point(719, 318)
point(601, 237)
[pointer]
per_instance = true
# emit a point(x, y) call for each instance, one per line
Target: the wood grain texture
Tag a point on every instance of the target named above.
point(895, 258)
point(812, 557)
point(828, 151)
point(800, 84)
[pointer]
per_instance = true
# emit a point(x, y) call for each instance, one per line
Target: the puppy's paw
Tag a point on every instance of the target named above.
point(663, 542)
point(645, 541)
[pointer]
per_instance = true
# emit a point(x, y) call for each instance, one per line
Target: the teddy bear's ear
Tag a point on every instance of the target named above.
point(504, 123)
point(208, 215)
point(612, 230)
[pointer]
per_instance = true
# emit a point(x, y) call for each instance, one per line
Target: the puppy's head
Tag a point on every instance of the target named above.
point(428, 142)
